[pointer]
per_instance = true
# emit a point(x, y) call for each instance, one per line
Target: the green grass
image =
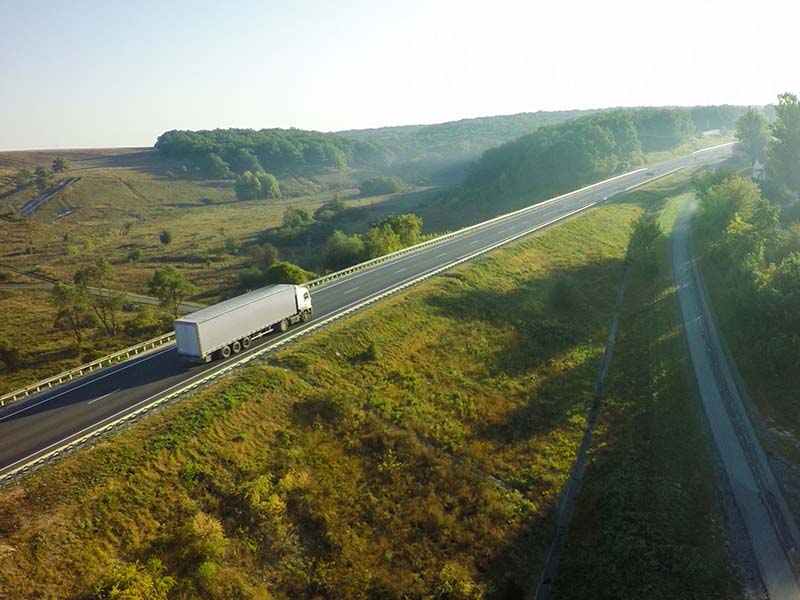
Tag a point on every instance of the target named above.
point(415, 450)
point(27, 325)
point(696, 143)
point(647, 522)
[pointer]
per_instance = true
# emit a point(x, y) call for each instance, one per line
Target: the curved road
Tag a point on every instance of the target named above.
point(48, 420)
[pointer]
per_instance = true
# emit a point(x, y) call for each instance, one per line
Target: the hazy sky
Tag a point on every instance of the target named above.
point(106, 73)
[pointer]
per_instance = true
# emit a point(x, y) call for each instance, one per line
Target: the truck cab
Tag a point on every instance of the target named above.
point(303, 300)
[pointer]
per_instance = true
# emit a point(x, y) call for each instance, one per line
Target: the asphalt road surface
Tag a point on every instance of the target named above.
point(770, 527)
point(51, 418)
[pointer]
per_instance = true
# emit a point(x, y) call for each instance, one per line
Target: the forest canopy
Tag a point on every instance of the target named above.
point(224, 152)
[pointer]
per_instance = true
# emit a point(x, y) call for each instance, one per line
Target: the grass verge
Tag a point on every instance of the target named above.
point(415, 450)
point(647, 522)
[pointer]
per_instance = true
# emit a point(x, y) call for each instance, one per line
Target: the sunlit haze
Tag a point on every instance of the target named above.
point(97, 74)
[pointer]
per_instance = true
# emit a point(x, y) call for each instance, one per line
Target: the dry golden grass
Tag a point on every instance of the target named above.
point(415, 450)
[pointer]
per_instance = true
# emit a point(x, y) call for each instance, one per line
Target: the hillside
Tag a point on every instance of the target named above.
point(420, 151)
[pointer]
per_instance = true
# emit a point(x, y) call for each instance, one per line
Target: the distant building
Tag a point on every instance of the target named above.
point(759, 170)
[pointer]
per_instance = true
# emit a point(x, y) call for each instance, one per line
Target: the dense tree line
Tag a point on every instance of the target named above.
point(390, 235)
point(760, 260)
point(560, 157)
point(419, 151)
point(222, 153)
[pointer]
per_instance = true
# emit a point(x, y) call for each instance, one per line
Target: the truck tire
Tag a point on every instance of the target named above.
point(246, 343)
point(236, 347)
point(225, 351)
point(283, 325)
point(305, 316)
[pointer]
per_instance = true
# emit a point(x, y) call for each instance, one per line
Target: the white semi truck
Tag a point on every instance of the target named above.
point(230, 326)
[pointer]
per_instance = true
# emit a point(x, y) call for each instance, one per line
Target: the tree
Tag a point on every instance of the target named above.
point(60, 165)
point(408, 227)
point(72, 310)
point(216, 167)
point(380, 185)
point(93, 281)
point(171, 287)
point(342, 250)
point(165, 237)
point(270, 188)
point(23, 178)
point(381, 240)
point(329, 209)
point(784, 147)
point(242, 160)
point(752, 133)
point(264, 256)
point(247, 186)
point(42, 175)
point(296, 217)
point(286, 272)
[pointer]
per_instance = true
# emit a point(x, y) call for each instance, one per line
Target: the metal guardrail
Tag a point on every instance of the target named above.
point(459, 232)
point(87, 368)
point(166, 338)
point(67, 446)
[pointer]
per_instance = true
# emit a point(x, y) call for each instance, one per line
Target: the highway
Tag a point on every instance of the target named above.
point(49, 419)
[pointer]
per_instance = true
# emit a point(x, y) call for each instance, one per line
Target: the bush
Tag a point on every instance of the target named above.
point(251, 278)
point(286, 272)
point(136, 582)
point(342, 251)
point(135, 255)
point(380, 185)
point(165, 237)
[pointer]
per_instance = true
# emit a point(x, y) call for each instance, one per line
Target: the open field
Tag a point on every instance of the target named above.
point(27, 325)
point(116, 210)
point(648, 521)
point(417, 449)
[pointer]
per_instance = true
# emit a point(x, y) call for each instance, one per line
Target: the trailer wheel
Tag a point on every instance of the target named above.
point(246, 343)
point(236, 347)
point(283, 325)
point(225, 351)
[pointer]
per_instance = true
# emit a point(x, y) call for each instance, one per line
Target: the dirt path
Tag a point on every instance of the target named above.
point(772, 532)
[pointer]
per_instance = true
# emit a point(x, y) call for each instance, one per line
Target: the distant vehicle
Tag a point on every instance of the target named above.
point(230, 326)
point(650, 173)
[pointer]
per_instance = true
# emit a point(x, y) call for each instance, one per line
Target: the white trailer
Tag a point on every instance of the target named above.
point(230, 326)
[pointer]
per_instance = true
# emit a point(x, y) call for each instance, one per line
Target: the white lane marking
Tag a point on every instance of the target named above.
point(525, 222)
point(503, 230)
point(440, 255)
point(474, 242)
point(400, 270)
point(350, 290)
point(100, 423)
point(342, 309)
point(77, 387)
point(103, 396)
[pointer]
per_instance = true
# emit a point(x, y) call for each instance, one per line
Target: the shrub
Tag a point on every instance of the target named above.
point(380, 185)
point(286, 272)
point(135, 255)
point(165, 237)
point(136, 582)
